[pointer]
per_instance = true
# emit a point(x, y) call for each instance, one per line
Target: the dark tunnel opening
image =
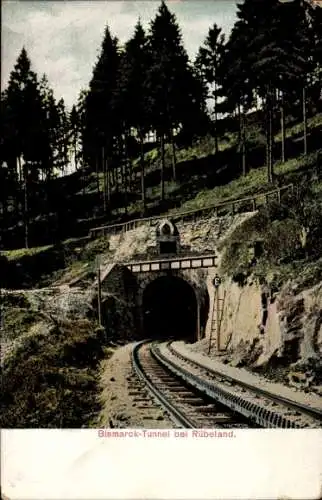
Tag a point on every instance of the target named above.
point(170, 310)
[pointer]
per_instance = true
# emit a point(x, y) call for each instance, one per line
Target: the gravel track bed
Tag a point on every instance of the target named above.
point(243, 375)
point(121, 394)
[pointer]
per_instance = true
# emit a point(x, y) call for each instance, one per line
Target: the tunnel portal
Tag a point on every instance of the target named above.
point(170, 309)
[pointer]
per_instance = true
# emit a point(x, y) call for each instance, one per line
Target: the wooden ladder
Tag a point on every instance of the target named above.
point(217, 312)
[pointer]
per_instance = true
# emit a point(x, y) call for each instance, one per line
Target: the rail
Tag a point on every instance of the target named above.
point(176, 415)
point(249, 201)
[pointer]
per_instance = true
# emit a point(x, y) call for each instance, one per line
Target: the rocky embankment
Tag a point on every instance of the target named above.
point(275, 333)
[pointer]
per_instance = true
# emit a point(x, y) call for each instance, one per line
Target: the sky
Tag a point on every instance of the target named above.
point(63, 38)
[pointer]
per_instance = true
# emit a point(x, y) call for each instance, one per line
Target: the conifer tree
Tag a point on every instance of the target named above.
point(101, 121)
point(266, 53)
point(25, 122)
point(131, 92)
point(75, 132)
point(208, 63)
point(316, 17)
point(51, 124)
point(168, 82)
point(63, 137)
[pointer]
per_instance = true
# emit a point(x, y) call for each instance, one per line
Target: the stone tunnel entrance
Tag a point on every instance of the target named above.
point(170, 309)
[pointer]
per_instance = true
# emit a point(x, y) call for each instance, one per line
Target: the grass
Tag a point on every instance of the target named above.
point(15, 255)
point(16, 321)
point(198, 171)
point(201, 148)
point(206, 146)
point(296, 164)
point(254, 182)
point(297, 129)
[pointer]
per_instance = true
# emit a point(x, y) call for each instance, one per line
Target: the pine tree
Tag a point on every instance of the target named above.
point(75, 131)
point(169, 73)
point(234, 73)
point(63, 137)
point(296, 42)
point(267, 53)
point(208, 63)
point(101, 122)
point(130, 95)
point(316, 17)
point(25, 122)
point(81, 113)
point(51, 125)
point(8, 152)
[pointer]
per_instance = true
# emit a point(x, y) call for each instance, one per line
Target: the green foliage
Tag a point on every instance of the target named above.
point(314, 122)
point(282, 240)
point(16, 321)
point(279, 229)
point(15, 255)
point(50, 379)
point(99, 102)
point(175, 94)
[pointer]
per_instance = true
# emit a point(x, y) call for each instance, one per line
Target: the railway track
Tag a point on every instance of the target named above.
point(194, 396)
point(293, 407)
point(185, 405)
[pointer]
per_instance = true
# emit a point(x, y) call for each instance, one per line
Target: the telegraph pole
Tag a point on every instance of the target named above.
point(1, 310)
point(99, 290)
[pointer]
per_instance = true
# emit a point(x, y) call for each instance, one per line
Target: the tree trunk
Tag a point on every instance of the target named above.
point(173, 155)
point(162, 164)
point(116, 178)
point(271, 141)
point(98, 183)
point(104, 179)
point(304, 121)
point(239, 122)
point(243, 134)
point(216, 119)
point(269, 138)
point(125, 172)
point(113, 177)
point(26, 221)
point(125, 184)
point(75, 153)
point(84, 176)
point(142, 174)
point(20, 170)
point(283, 127)
point(128, 162)
point(108, 180)
point(270, 165)
point(16, 195)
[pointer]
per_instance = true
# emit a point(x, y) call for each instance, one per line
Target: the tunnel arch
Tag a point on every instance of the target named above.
point(170, 309)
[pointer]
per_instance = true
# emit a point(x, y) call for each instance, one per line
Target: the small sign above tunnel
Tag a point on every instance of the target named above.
point(168, 238)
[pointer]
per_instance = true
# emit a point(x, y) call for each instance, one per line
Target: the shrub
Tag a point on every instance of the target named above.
point(282, 240)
